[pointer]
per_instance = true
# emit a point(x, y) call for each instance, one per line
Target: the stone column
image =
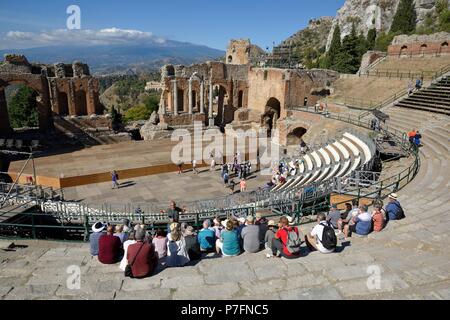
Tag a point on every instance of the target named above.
point(175, 98)
point(210, 109)
point(190, 97)
point(202, 97)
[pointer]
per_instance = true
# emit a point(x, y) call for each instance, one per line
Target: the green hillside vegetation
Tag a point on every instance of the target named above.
point(144, 110)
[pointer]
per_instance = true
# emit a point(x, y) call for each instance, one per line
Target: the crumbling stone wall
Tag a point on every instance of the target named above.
point(437, 43)
point(63, 89)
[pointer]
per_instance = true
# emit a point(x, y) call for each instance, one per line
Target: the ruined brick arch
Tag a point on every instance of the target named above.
point(294, 137)
point(403, 50)
point(271, 115)
point(39, 85)
point(444, 44)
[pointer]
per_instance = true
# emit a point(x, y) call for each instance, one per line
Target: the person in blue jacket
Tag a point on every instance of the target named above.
point(207, 237)
point(394, 210)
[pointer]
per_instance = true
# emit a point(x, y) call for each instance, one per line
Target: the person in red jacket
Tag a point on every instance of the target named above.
point(109, 247)
point(142, 256)
point(281, 239)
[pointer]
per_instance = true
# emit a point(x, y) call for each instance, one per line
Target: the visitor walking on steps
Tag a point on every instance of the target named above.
point(417, 139)
point(180, 167)
point(115, 180)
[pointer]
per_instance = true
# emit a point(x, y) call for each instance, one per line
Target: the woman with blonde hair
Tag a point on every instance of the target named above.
point(177, 254)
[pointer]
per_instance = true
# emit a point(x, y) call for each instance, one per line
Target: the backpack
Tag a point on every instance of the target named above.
point(400, 212)
point(329, 240)
point(293, 242)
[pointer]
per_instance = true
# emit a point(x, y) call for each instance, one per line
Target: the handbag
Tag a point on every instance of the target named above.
point(128, 270)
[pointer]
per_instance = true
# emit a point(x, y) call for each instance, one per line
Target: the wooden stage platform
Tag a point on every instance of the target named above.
point(94, 165)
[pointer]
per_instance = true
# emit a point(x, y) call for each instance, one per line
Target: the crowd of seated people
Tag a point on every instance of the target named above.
point(140, 253)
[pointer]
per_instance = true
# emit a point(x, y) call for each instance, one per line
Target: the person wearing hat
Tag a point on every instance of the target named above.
point(217, 227)
point(394, 210)
point(228, 243)
point(269, 236)
point(192, 245)
point(97, 232)
point(250, 236)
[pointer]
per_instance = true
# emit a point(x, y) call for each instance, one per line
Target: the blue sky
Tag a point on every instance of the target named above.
point(208, 22)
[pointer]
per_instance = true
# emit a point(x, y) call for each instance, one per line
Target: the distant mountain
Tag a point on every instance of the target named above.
point(119, 58)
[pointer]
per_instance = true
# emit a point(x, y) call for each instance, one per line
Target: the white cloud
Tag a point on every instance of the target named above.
point(109, 36)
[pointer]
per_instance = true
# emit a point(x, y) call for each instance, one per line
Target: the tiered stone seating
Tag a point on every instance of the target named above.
point(435, 98)
point(320, 167)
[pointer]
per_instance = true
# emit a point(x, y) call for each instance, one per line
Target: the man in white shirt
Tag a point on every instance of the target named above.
point(314, 239)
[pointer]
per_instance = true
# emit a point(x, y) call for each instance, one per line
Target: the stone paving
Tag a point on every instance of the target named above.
point(411, 256)
point(160, 189)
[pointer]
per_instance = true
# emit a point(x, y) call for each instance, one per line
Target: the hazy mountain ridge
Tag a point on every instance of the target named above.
point(137, 57)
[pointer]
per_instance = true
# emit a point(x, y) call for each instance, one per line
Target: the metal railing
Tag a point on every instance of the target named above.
point(297, 203)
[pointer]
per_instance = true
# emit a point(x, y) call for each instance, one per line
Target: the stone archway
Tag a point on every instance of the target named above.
point(271, 115)
point(295, 136)
point(39, 86)
point(404, 51)
point(423, 49)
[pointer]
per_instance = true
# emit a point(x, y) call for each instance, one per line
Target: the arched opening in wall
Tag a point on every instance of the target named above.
point(404, 51)
point(230, 59)
point(170, 71)
point(180, 98)
point(222, 105)
point(271, 115)
point(194, 101)
point(80, 103)
point(240, 99)
point(63, 103)
point(423, 49)
point(19, 108)
point(295, 137)
point(444, 47)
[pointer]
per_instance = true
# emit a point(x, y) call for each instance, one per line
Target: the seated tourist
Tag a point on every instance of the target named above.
point(394, 210)
point(286, 242)
point(109, 247)
point(318, 239)
point(345, 216)
point(131, 240)
point(207, 237)
point(377, 218)
point(269, 236)
point(119, 233)
point(417, 139)
point(250, 236)
point(261, 222)
point(142, 256)
point(228, 243)
point(334, 216)
point(160, 243)
point(217, 227)
point(177, 254)
point(97, 232)
point(192, 245)
point(362, 223)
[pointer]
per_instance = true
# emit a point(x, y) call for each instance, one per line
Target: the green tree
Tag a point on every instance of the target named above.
point(335, 47)
point(23, 108)
point(152, 103)
point(444, 16)
point(139, 112)
point(405, 18)
point(349, 58)
point(383, 41)
point(371, 38)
